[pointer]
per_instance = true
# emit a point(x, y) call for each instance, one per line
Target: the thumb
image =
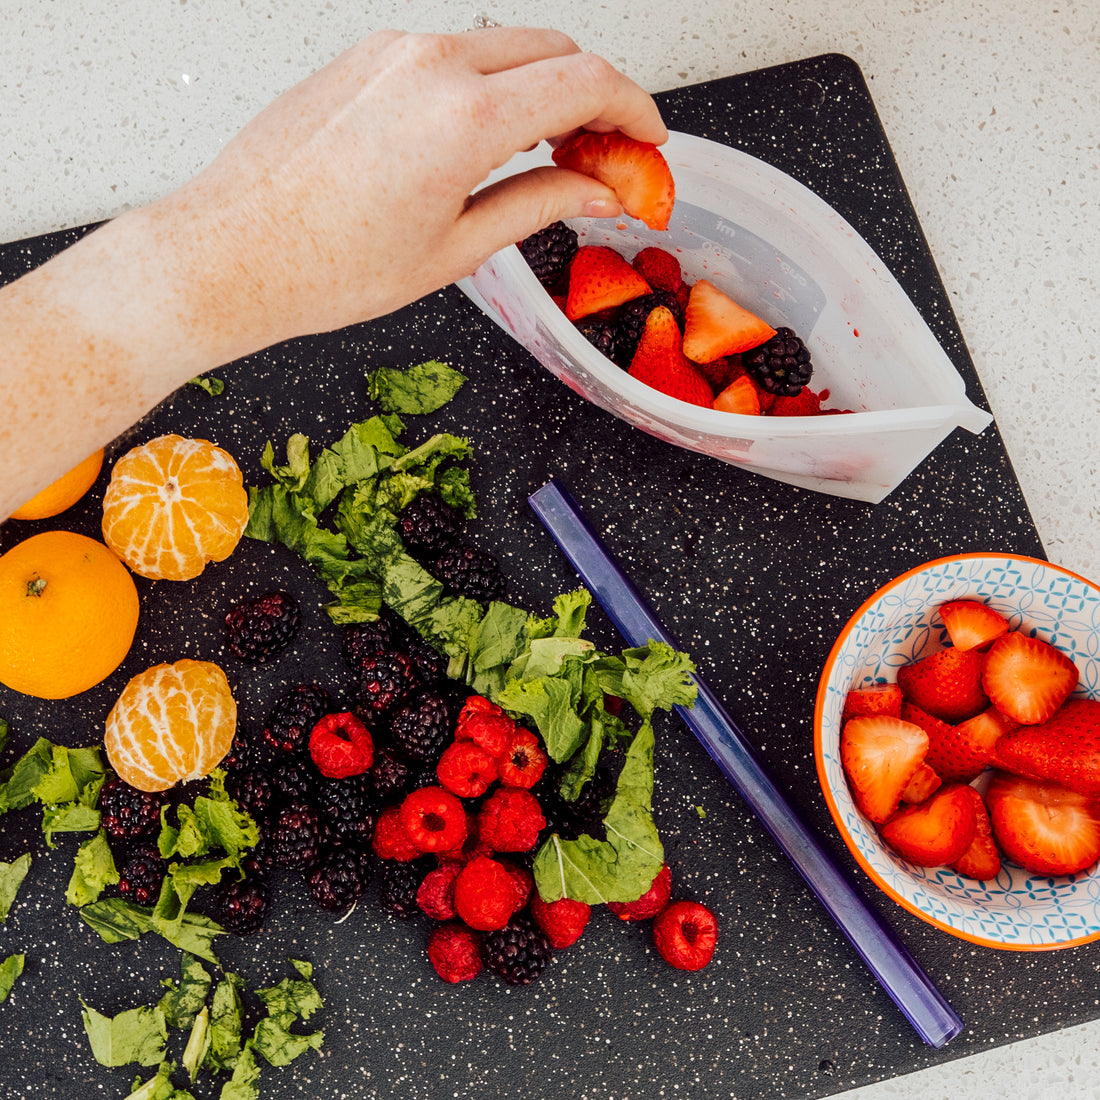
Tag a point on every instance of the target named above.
point(512, 209)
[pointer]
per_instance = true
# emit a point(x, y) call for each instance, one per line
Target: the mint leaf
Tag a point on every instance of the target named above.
point(416, 391)
point(10, 970)
point(70, 773)
point(244, 1084)
point(93, 872)
point(290, 1000)
point(549, 703)
point(225, 825)
point(185, 998)
point(70, 817)
point(159, 1086)
point(136, 1035)
point(279, 1046)
point(11, 878)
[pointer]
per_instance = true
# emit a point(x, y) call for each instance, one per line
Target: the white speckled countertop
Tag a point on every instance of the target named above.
point(992, 108)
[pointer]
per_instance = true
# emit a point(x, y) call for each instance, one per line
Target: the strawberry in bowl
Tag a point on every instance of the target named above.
point(957, 736)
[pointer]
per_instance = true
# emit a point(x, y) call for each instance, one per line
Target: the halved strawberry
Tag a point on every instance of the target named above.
point(1043, 827)
point(715, 325)
point(872, 699)
point(972, 625)
point(739, 397)
point(659, 361)
point(599, 278)
point(635, 170)
point(1064, 750)
point(659, 268)
point(982, 860)
point(947, 755)
point(935, 832)
point(880, 756)
point(979, 735)
point(947, 684)
point(1027, 678)
point(923, 785)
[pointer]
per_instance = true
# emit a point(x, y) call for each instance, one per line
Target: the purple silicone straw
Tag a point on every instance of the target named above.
point(897, 971)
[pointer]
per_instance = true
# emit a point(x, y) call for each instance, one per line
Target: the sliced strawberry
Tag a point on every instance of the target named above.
point(715, 325)
point(982, 860)
point(880, 756)
point(635, 170)
point(947, 684)
point(924, 784)
point(806, 403)
point(935, 832)
point(972, 625)
point(599, 278)
point(1043, 827)
point(1027, 678)
point(739, 397)
point(979, 735)
point(1064, 750)
point(947, 755)
point(659, 361)
point(659, 268)
point(721, 372)
point(872, 699)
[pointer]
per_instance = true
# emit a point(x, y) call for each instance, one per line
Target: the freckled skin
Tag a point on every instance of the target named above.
point(350, 196)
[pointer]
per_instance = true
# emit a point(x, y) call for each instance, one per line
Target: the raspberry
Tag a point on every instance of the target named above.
point(685, 934)
point(433, 819)
point(561, 921)
point(510, 820)
point(806, 403)
point(258, 628)
point(650, 903)
point(436, 894)
point(659, 268)
point(295, 713)
point(523, 883)
point(485, 895)
point(340, 745)
point(466, 769)
point(390, 840)
point(518, 953)
point(523, 761)
point(127, 813)
point(455, 953)
point(486, 725)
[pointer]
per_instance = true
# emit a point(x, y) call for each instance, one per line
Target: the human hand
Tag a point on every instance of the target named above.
point(350, 195)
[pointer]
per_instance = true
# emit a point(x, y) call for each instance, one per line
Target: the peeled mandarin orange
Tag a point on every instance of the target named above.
point(172, 505)
point(64, 492)
point(68, 612)
point(171, 724)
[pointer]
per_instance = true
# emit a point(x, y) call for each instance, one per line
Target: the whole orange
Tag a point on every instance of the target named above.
point(172, 723)
point(64, 492)
point(68, 612)
point(172, 505)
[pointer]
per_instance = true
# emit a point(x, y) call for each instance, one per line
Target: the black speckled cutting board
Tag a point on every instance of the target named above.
point(754, 577)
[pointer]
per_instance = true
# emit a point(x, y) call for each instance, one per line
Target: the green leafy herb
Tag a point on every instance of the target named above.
point(94, 870)
point(116, 920)
point(226, 1014)
point(185, 998)
point(292, 999)
point(279, 1046)
point(69, 817)
point(198, 1043)
point(10, 970)
point(159, 1086)
point(417, 390)
point(17, 791)
point(136, 1035)
point(245, 1082)
point(213, 386)
point(11, 878)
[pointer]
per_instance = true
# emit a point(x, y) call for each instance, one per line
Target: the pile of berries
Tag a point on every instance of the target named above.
point(691, 342)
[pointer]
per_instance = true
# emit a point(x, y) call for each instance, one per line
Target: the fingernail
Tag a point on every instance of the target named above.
point(602, 208)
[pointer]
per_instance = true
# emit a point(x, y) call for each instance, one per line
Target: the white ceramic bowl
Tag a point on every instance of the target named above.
point(1019, 910)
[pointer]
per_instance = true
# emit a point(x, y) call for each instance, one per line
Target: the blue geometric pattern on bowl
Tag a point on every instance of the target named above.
point(1019, 909)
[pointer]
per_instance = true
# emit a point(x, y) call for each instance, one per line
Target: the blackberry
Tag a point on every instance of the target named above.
point(421, 729)
point(631, 318)
point(388, 775)
point(583, 815)
point(386, 680)
point(600, 333)
point(346, 805)
point(242, 753)
point(430, 664)
point(428, 525)
point(294, 715)
point(127, 813)
point(518, 952)
point(141, 873)
point(257, 629)
point(366, 639)
point(400, 882)
point(241, 905)
point(782, 365)
point(550, 251)
point(252, 791)
point(472, 573)
point(338, 879)
point(295, 781)
point(295, 836)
